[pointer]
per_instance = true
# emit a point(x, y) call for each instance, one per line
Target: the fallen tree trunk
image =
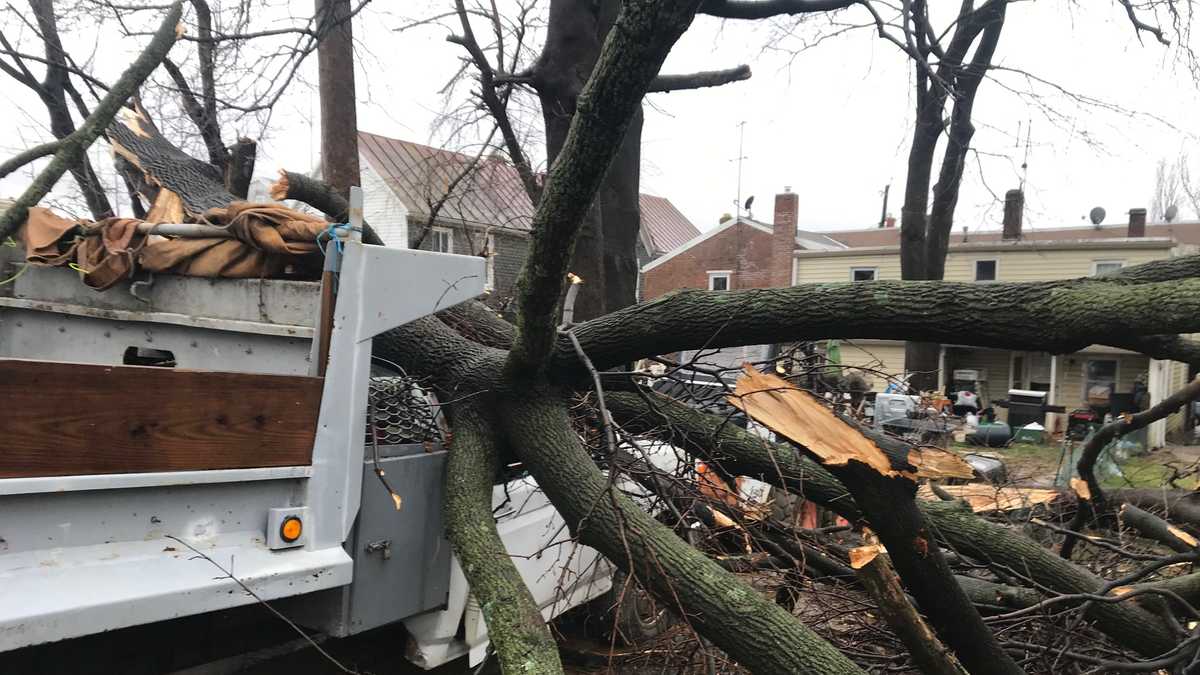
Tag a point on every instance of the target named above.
point(1094, 310)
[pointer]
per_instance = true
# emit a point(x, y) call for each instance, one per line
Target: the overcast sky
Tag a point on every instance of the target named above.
point(833, 122)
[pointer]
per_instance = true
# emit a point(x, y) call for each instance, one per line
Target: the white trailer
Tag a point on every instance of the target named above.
point(129, 436)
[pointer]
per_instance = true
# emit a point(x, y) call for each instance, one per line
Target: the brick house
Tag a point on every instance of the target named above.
point(480, 211)
point(740, 252)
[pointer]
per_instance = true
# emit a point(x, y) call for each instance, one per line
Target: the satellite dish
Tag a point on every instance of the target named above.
point(1097, 215)
point(1172, 213)
point(749, 202)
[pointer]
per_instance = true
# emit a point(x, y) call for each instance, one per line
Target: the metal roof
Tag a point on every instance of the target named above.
point(492, 194)
point(663, 226)
point(420, 175)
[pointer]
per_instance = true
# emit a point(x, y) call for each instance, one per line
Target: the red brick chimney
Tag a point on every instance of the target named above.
point(1137, 223)
point(787, 204)
point(1014, 208)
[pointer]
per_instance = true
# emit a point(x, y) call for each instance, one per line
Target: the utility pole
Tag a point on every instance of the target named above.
point(737, 204)
point(335, 76)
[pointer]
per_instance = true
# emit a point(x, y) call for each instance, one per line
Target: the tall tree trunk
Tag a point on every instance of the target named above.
point(335, 73)
point(605, 253)
point(52, 91)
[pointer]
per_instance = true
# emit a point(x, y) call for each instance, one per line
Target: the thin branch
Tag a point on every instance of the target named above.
point(1140, 26)
point(700, 80)
point(27, 156)
point(764, 9)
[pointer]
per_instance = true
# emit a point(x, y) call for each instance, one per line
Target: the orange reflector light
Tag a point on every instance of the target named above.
point(291, 529)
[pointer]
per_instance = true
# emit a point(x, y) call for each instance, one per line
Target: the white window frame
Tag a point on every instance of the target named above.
point(449, 239)
point(975, 270)
point(873, 270)
point(1097, 263)
point(489, 284)
point(716, 274)
point(1083, 387)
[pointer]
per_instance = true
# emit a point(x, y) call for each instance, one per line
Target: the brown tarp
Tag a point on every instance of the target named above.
point(269, 240)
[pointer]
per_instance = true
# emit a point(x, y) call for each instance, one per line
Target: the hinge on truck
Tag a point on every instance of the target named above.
point(384, 545)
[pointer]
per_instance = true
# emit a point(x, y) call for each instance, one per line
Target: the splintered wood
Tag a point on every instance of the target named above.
point(983, 497)
point(803, 419)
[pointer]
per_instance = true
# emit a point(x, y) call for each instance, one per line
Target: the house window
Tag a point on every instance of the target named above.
point(489, 255)
point(1102, 267)
point(985, 270)
point(863, 273)
point(718, 281)
point(1099, 381)
point(442, 240)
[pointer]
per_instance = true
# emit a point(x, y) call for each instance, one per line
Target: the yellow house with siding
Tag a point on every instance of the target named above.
point(1016, 255)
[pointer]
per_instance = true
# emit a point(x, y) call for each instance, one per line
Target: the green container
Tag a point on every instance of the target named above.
point(1031, 436)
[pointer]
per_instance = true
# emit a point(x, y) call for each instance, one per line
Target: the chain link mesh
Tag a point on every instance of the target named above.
point(401, 411)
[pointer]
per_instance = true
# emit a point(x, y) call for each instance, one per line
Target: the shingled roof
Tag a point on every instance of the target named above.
point(492, 195)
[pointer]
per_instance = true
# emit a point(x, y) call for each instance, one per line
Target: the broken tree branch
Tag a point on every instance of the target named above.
point(75, 146)
point(321, 196)
point(32, 154)
point(881, 582)
point(764, 9)
point(700, 80)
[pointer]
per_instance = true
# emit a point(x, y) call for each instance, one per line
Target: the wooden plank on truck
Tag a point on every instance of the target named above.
point(64, 419)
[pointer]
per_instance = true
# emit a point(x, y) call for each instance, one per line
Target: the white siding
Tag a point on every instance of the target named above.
point(383, 209)
point(1026, 264)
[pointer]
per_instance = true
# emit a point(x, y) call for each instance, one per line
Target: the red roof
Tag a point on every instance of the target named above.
point(1183, 233)
point(663, 225)
point(490, 195)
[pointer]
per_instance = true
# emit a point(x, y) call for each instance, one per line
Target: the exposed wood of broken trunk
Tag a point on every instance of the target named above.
point(881, 474)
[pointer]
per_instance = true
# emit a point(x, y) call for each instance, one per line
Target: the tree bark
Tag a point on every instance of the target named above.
point(881, 582)
point(52, 91)
point(753, 630)
point(1086, 311)
point(521, 638)
point(335, 74)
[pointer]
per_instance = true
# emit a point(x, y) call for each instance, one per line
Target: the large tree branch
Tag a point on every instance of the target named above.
point(709, 78)
point(631, 57)
point(1008, 315)
point(74, 147)
point(515, 626)
point(765, 9)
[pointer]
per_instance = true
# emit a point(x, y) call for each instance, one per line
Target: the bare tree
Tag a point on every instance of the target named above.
point(1170, 187)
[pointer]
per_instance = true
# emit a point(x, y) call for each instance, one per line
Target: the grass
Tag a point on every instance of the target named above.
point(1150, 471)
point(1027, 462)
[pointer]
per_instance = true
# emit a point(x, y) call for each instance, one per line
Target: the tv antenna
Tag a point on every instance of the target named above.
point(737, 203)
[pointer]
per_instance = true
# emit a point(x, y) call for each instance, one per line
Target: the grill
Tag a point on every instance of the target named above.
point(401, 411)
